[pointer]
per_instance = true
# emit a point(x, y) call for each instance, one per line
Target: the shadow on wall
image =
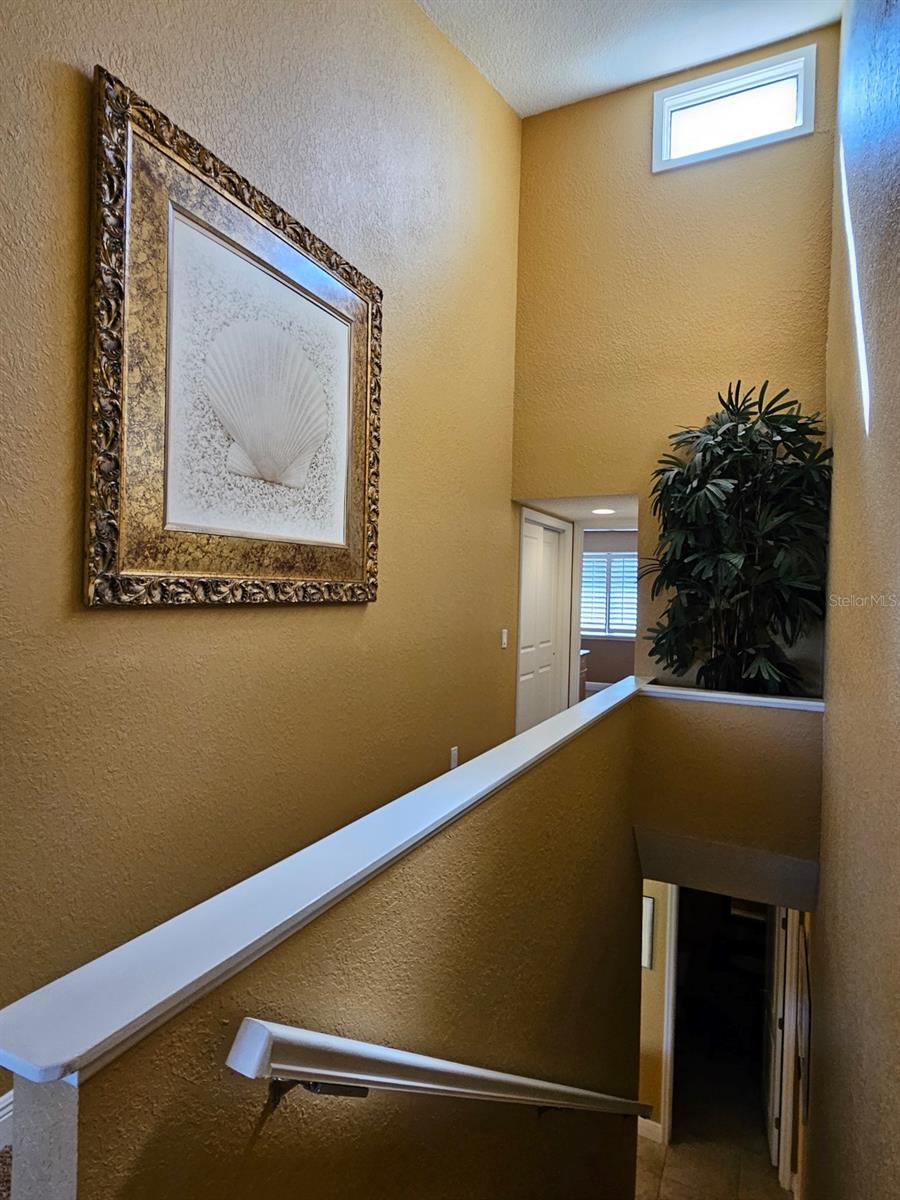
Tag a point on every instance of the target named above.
point(394, 1147)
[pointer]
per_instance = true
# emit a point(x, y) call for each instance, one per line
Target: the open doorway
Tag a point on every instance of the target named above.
point(597, 602)
point(721, 1021)
point(608, 616)
point(735, 1036)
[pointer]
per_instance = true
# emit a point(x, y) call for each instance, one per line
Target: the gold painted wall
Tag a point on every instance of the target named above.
point(729, 773)
point(152, 758)
point(641, 295)
point(854, 1136)
point(436, 955)
point(653, 1002)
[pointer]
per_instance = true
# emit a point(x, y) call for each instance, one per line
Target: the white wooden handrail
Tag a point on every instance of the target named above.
point(72, 1027)
point(264, 1050)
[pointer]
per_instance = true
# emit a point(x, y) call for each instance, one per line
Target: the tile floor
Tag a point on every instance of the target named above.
point(719, 1150)
point(705, 1170)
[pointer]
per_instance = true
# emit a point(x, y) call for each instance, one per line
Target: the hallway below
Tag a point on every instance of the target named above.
point(719, 1149)
point(706, 1169)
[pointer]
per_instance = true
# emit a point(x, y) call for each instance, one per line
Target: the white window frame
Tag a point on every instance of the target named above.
point(795, 64)
point(609, 555)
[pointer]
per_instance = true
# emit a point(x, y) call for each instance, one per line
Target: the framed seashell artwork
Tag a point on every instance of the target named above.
point(235, 372)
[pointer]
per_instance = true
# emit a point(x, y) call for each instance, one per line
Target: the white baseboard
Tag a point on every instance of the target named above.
point(6, 1111)
point(651, 1130)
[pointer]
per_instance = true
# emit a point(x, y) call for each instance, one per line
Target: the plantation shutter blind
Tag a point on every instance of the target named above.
point(594, 591)
point(609, 593)
point(622, 593)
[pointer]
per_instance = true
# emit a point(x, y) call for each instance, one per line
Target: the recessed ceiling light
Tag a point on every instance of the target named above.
point(603, 512)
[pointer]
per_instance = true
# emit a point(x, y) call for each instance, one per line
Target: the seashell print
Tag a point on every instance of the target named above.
point(266, 393)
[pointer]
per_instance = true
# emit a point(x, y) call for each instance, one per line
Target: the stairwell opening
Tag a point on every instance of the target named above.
point(739, 1020)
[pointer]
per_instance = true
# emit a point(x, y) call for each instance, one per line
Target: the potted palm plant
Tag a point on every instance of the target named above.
point(742, 504)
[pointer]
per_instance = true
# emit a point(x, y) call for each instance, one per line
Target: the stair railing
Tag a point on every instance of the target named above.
point(331, 1065)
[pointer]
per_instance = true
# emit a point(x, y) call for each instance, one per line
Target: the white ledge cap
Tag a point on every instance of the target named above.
point(75, 1025)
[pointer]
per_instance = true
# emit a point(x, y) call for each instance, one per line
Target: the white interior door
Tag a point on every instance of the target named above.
point(774, 1048)
point(788, 1048)
point(544, 601)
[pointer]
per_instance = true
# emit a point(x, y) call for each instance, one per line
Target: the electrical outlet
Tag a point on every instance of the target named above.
point(454, 757)
point(504, 638)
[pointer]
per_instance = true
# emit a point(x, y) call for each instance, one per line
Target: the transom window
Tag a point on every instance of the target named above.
point(764, 101)
point(609, 593)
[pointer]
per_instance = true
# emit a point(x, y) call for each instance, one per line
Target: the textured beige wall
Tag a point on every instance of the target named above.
point(436, 955)
point(854, 1142)
point(641, 295)
point(151, 758)
point(653, 1002)
point(730, 773)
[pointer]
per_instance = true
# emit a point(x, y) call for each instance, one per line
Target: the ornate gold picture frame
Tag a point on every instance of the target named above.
point(233, 443)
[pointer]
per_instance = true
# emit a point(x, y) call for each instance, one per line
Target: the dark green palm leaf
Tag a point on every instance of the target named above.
point(743, 514)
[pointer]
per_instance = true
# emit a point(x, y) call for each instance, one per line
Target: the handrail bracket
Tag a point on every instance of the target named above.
point(279, 1088)
point(336, 1089)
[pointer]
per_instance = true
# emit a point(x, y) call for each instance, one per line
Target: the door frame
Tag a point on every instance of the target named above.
point(789, 1048)
point(564, 597)
point(775, 1002)
point(667, 1099)
point(661, 1130)
point(575, 619)
point(786, 986)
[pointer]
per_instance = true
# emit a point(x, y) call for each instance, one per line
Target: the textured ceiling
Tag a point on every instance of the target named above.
point(540, 54)
point(581, 508)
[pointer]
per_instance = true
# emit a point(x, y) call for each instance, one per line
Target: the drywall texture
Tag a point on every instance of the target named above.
point(854, 1137)
point(641, 295)
point(436, 955)
point(726, 798)
point(153, 757)
point(653, 1002)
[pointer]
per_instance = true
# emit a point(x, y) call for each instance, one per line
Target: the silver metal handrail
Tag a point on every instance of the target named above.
point(265, 1050)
